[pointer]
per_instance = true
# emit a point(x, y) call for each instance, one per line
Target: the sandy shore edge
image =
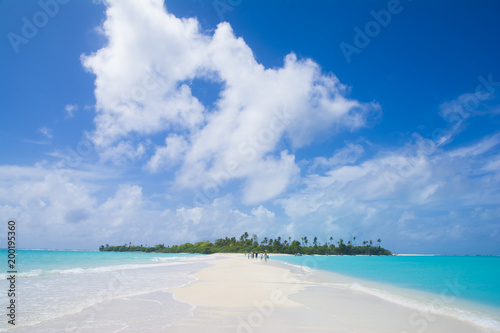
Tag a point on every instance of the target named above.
point(238, 294)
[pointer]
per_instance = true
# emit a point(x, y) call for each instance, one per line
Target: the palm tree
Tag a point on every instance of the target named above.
point(379, 241)
point(315, 241)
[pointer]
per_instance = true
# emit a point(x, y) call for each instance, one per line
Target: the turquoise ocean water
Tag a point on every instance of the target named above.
point(465, 287)
point(77, 291)
point(31, 263)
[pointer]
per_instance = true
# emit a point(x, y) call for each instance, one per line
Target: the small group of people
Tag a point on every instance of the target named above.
point(255, 255)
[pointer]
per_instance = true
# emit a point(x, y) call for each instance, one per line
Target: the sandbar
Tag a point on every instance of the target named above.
point(241, 295)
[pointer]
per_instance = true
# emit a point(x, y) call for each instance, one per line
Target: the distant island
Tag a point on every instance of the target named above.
point(247, 244)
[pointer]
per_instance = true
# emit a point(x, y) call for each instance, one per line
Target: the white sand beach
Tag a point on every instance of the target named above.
point(244, 295)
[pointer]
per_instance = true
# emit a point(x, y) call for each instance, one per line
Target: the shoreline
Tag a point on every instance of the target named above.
point(230, 293)
point(245, 295)
point(271, 254)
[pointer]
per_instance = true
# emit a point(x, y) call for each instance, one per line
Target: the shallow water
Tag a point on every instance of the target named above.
point(464, 288)
point(67, 291)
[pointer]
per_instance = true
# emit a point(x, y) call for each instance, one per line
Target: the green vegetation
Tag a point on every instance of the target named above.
point(248, 244)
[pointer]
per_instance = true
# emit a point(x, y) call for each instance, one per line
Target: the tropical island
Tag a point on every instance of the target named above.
point(247, 244)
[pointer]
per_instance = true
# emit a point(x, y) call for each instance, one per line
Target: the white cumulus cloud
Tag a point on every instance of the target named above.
point(143, 87)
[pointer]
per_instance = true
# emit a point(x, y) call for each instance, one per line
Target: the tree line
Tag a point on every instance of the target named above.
point(247, 244)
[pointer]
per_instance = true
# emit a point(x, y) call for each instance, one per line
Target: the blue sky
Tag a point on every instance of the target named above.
point(192, 120)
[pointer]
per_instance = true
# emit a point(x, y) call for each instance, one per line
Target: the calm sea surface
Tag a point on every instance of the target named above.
point(76, 291)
